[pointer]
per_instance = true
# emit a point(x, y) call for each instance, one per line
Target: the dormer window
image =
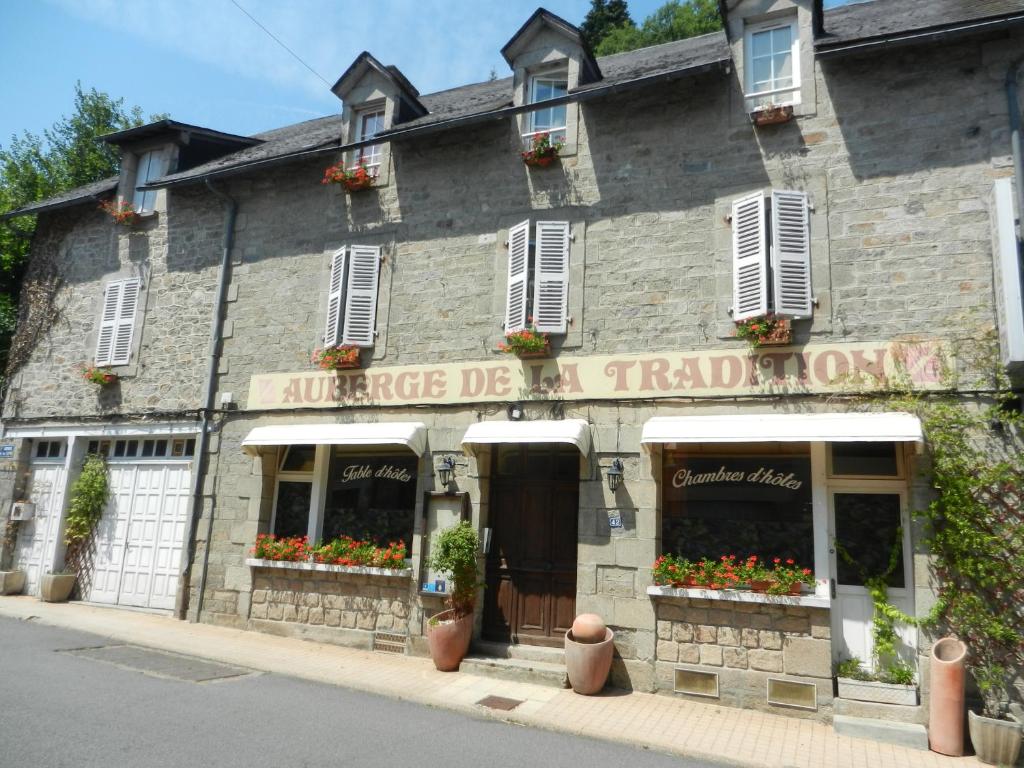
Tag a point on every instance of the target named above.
point(368, 124)
point(149, 169)
point(550, 120)
point(772, 51)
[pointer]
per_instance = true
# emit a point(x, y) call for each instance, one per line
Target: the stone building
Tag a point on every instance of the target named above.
point(847, 170)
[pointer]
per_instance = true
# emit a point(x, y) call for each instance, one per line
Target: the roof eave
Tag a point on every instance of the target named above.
point(32, 210)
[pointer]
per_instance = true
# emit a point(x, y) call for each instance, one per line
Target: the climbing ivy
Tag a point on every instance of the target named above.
point(89, 495)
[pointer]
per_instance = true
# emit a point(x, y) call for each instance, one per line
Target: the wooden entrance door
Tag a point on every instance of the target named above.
point(531, 565)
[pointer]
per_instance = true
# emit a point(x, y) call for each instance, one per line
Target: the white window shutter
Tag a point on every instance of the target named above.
point(361, 295)
point(518, 276)
point(108, 323)
point(791, 254)
point(335, 297)
point(749, 258)
point(551, 284)
point(125, 328)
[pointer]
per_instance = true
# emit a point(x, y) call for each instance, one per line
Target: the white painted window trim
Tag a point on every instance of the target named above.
point(358, 118)
point(295, 477)
point(791, 93)
point(554, 76)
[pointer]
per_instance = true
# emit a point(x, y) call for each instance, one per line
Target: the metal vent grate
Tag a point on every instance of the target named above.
point(389, 642)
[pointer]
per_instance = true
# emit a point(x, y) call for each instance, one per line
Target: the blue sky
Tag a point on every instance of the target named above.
point(204, 62)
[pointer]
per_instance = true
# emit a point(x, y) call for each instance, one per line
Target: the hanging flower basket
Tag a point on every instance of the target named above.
point(542, 152)
point(770, 114)
point(336, 358)
point(102, 377)
point(121, 211)
point(353, 179)
point(765, 331)
point(527, 344)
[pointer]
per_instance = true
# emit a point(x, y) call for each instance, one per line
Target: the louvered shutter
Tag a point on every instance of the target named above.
point(749, 258)
point(125, 329)
point(335, 297)
point(791, 254)
point(361, 295)
point(108, 323)
point(551, 283)
point(518, 276)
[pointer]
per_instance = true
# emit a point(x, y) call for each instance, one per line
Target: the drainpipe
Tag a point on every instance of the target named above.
point(202, 441)
point(1012, 89)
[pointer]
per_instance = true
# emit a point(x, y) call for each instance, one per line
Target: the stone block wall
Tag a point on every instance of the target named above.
point(342, 608)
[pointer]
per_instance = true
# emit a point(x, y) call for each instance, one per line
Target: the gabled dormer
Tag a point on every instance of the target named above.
point(376, 98)
point(549, 58)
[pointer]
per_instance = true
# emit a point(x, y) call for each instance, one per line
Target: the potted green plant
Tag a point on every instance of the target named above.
point(768, 330)
point(12, 580)
point(449, 632)
point(754, 573)
point(542, 152)
point(996, 738)
point(891, 684)
point(102, 377)
point(788, 578)
point(527, 343)
point(336, 358)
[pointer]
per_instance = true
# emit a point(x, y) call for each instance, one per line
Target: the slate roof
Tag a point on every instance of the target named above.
point(64, 199)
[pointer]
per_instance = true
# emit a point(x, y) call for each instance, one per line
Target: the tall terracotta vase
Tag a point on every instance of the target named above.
point(588, 664)
point(449, 640)
point(946, 718)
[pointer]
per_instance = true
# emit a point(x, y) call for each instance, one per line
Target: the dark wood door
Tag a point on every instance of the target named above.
point(531, 565)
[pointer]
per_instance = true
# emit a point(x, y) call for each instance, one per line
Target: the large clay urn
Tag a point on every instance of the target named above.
point(449, 640)
point(946, 715)
point(588, 656)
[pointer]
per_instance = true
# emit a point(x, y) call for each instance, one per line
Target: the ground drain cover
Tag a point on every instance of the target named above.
point(160, 663)
point(499, 702)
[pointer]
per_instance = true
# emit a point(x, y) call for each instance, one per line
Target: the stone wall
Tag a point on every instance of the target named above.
point(342, 608)
point(745, 643)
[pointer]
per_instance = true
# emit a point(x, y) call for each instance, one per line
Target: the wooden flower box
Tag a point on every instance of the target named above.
point(772, 115)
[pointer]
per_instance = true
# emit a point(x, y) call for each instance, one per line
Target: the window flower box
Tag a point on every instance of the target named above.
point(121, 211)
point(769, 330)
point(344, 552)
point(772, 114)
point(737, 596)
point(102, 377)
point(876, 691)
point(542, 151)
point(337, 358)
point(352, 179)
point(355, 570)
point(527, 344)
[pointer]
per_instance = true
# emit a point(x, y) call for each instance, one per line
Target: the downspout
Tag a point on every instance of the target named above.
point(202, 441)
point(1012, 102)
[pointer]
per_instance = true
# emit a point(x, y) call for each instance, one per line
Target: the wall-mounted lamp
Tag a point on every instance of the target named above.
point(614, 475)
point(514, 412)
point(446, 471)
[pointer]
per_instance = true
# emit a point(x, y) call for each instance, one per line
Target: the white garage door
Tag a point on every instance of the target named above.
point(139, 540)
point(36, 548)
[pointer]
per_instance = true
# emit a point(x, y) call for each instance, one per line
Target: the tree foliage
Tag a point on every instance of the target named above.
point(602, 18)
point(674, 20)
point(34, 167)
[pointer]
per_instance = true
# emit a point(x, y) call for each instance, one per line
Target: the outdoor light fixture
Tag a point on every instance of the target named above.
point(614, 475)
point(446, 471)
point(515, 412)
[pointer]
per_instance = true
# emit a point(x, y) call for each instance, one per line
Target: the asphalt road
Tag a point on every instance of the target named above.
point(74, 699)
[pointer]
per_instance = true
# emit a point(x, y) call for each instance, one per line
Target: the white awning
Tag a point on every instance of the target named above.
point(568, 431)
point(784, 428)
point(411, 434)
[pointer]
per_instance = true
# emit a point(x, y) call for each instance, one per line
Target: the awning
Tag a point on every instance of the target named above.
point(568, 431)
point(411, 434)
point(784, 428)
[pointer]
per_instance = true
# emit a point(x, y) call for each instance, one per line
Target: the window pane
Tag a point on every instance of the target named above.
point(762, 74)
point(782, 39)
point(761, 43)
point(866, 528)
point(371, 497)
point(783, 70)
point(300, 458)
point(864, 459)
point(738, 505)
point(292, 515)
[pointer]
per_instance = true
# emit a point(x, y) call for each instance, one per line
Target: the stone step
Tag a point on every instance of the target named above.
point(912, 735)
point(519, 651)
point(517, 670)
point(889, 712)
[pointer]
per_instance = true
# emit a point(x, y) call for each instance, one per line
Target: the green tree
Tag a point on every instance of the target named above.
point(674, 20)
point(603, 17)
point(34, 167)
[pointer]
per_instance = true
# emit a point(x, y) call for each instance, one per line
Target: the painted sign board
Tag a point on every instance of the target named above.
point(809, 369)
point(7, 451)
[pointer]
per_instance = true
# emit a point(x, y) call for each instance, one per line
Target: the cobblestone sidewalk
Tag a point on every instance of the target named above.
point(663, 723)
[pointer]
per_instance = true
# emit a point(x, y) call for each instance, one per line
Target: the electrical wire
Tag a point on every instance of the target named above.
point(279, 42)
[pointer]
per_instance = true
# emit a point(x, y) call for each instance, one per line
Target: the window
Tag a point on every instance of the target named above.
point(549, 120)
point(49, 449)
point(117, 323)
point(538, 273)
point(371, 497)
point(352, 296)
point(771, 255)
point(869, 530)
point(864, 460)
point(294, 493)
point(150, 168)
point(154, 448)
point(772, 64)
point(739, 505)
point(368, 125)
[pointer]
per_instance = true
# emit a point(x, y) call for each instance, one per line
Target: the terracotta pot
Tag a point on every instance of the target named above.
point(760, 585)
point(542, 162)
point(56, 587)
point(588, 664)
point(773, 116)
point(12, 582)
point(546, 352)
point(946, 711)
point(588, 628)
point(996, 742)
point(449, 640)
point(796, 588)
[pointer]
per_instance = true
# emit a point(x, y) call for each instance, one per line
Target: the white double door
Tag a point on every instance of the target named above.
point(36, 550)
point(139, 540)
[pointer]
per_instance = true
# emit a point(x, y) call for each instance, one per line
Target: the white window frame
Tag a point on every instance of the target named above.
point(900, 475)
point(788, 96)
point(373, 155)
point(557, 132)
point(313, 477)
point(147, 168)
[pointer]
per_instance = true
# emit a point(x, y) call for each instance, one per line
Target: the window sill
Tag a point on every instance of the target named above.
point(355, 570)
point(739, 596)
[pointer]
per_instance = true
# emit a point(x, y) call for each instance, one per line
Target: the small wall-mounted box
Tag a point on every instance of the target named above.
point(23, 510)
